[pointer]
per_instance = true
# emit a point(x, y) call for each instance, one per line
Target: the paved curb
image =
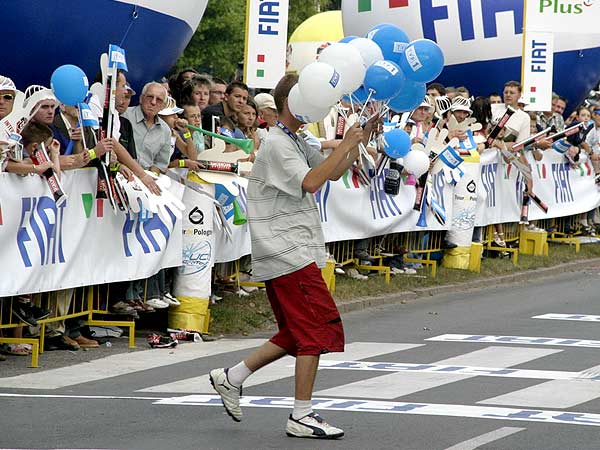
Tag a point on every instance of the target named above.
point(482, 283)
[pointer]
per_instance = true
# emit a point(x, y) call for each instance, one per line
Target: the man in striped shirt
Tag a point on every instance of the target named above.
point(287, 250)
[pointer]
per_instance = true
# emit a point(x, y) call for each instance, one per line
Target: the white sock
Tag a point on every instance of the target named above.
point(238, 374)
point(301, 408)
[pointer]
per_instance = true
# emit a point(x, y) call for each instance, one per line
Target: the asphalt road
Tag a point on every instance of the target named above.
point(454, 372)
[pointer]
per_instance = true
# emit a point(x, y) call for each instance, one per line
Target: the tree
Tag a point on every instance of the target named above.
point(217, 46)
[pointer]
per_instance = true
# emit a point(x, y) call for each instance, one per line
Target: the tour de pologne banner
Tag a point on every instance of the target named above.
point(44, 248)
point(566, 190)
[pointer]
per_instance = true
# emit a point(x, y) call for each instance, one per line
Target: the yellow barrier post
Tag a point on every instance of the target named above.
point(533, 243)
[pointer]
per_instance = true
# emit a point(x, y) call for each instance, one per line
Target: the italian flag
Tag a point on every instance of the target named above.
point(366, 5)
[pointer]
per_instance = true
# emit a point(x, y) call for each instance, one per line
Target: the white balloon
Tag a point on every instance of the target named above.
point(369, 50)
point(348, 61)
point(416, 162)
point(321, 85)
point(302, 110)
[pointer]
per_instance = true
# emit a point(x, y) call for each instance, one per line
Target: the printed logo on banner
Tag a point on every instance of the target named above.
point(196, 216)
point(322, 197)
point(146, 232)
point(488, 180)
point(562, 183)
point(196, 257)
point(40, 231)
point(438, 185)
point(382, 204)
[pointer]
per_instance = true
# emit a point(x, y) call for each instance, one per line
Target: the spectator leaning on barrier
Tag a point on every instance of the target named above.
point(151, 134)
point(287, 249)
point(8, 91)
point(267, 110)
point(519, 122)
point(122, 101)
point(192, 114)
point(550, 118)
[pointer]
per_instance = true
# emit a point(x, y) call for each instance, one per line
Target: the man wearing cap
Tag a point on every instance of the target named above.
point(8, 90)
point(151, 134)
point(419, 115)
point(267, 110)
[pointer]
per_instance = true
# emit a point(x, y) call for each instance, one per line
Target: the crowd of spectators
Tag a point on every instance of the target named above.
point(153, 136)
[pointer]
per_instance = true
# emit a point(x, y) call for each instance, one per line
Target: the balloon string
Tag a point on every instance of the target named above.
point(371, 92)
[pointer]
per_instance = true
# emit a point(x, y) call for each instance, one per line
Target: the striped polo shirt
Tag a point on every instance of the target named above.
point(285, 226)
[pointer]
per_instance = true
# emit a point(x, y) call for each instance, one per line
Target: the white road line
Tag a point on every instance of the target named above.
point(452, 370)
point(486, 438)
point(284, 368)
point(397, 385)
point(552, 394)
point(124, 364)
point(526, 340)
point(576, 317)
point(386, 407)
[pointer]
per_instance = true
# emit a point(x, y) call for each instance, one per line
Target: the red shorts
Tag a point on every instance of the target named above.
point(308, 319)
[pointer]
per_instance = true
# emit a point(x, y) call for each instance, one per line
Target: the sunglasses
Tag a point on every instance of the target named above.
point(7, 97)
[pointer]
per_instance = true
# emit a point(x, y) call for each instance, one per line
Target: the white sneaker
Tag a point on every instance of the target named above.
point(312, 426)
point(410, 271)
point(339, 271)
point(396, 271)
point(170, 299)
point(230, 394)
point(157, 303)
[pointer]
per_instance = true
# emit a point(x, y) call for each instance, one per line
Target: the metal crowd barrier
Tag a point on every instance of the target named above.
point(511, 236)
point(563, 230)
point(85, 303)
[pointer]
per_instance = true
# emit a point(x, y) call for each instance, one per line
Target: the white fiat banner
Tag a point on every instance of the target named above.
point(81, 243)
point(566, 190)
point(266, 42)
point(352, 210)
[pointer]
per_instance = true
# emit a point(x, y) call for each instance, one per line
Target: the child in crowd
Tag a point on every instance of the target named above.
point(191, 113)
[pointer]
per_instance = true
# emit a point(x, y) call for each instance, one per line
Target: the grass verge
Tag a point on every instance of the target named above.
point(244, 315)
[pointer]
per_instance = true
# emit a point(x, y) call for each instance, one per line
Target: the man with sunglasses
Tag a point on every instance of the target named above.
point(7, 96)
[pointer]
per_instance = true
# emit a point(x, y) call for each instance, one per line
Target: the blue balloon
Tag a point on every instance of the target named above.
point(69, 84)
point(391, 39)
point(385, 78)
point(347, 39)
point(422, 60)
point(397, 143)
point(411, 96)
